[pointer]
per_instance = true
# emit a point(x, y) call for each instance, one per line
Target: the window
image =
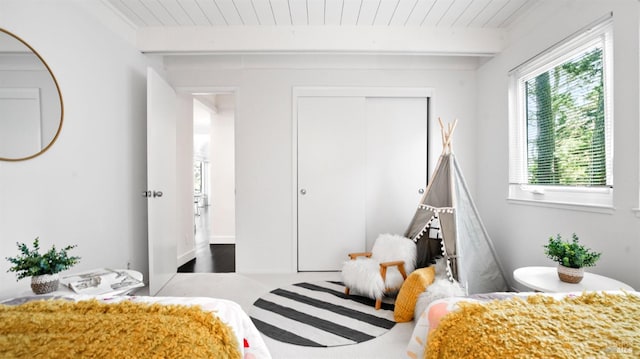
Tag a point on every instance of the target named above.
point(560, 123)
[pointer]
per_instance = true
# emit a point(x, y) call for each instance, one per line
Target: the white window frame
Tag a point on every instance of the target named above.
point(559, 196)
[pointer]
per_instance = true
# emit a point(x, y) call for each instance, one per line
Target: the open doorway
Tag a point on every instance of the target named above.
point(214, 183)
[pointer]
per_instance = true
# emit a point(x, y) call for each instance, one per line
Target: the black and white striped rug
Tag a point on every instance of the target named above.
point(319, 314)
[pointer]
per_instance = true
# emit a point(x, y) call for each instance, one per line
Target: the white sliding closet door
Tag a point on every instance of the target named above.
point(331, 174)
point(396, 145)
point(362, 167)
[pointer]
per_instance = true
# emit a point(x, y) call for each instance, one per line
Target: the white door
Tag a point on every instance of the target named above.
point(161, 180)
point(362, 167)
point(331, 188)
point(396, 131)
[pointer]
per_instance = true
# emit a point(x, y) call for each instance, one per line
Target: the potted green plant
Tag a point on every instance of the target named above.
point(572, 257)
point(42, 268)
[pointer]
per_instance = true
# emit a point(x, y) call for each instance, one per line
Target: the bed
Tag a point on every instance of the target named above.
point(77, 326)
point(529, 325)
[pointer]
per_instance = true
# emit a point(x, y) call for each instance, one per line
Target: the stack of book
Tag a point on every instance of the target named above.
point(102, 281)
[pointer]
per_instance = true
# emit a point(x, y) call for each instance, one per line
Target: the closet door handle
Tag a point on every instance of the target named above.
point(157, 194)
point(303, 191)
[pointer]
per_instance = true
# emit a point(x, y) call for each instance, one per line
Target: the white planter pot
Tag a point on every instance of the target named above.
point(45, 283)
point(570, 275)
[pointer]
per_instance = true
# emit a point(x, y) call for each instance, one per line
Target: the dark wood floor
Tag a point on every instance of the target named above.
point(218, 258)
point(210, 258)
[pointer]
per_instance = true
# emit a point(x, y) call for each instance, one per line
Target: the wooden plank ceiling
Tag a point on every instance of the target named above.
point(396, 13)
point(455, 27)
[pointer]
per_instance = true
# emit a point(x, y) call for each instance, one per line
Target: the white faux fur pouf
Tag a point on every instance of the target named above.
point(362, 275)
point(440, 288)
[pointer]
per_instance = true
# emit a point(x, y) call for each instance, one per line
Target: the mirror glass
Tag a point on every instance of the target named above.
point(30, 102)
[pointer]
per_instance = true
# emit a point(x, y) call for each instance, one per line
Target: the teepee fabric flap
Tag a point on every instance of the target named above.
point(478, 265)
point(449, 242)
point(436, 196)
point(427, 241)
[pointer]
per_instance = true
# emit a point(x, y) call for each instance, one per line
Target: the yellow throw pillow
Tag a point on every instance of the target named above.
point(415, 284)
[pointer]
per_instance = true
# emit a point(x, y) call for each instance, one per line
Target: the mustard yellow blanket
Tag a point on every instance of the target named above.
point(592, 325)
point(64, 329)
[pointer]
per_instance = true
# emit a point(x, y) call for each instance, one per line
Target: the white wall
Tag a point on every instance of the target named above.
point(186, 245)
point(86, 189)
point(264, 178)
point(520, 231)
point(222, 199)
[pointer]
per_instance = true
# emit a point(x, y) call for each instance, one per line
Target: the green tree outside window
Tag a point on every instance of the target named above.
point(566, 123)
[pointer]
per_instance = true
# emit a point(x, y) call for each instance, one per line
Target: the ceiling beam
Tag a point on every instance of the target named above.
point(321, 39)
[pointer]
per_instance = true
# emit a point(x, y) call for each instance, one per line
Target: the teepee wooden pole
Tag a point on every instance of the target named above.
point(447, 134)
point(442, 134)
point(452, 128)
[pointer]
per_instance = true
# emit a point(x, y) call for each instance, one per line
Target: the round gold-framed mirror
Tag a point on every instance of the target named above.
point(31, 107)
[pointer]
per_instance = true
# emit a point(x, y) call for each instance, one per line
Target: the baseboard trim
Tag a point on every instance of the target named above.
point(222, 239)
point(186, 257)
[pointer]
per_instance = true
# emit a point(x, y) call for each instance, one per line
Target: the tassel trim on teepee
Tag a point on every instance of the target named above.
point(444, 254)
point(437, 210)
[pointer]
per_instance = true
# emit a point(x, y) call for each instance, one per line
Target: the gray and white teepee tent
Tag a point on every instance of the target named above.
point(463, 239)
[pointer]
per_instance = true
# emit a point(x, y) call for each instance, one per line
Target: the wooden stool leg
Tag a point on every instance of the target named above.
point(346, 290)
point(378, 303)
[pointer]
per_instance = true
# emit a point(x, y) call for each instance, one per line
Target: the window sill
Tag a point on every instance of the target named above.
point(567, 206)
